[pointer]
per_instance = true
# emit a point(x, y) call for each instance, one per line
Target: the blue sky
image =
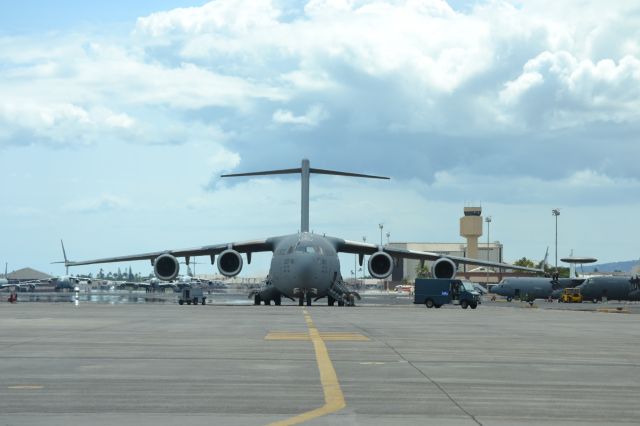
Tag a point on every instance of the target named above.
point(116, 121)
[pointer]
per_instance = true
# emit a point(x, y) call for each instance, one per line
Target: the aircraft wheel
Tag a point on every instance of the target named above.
point(180, 302)
point(277, 301)
point(267, 302)
point(464, 304)
point(204, 300)
point(256, 299)
point(531, 303)
point(301, 301)
point(330, 301)
point(474, 305)
point(509, 298)
point(429, 303)
point(594, 300)
point(308, 299)
point(340, 303)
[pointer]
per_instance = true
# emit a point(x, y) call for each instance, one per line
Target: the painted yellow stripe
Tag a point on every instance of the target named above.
point(26, 387)
point(333, 397)
point(331, 336)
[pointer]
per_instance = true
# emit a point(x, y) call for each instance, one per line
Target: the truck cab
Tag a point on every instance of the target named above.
point(434, 292)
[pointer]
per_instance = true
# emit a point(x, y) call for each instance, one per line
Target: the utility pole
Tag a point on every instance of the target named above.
point(488, 220)
point(556, 213)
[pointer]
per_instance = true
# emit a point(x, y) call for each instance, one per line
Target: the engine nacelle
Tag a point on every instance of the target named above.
point(166, 267)
point(229, 263)
point(444, 268)
point(380, 265)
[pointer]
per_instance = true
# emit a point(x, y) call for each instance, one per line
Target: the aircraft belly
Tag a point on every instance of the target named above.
point(300, 273)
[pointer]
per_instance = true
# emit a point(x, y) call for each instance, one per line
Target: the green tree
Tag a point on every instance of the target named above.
point(525, 263)
point(422, 271)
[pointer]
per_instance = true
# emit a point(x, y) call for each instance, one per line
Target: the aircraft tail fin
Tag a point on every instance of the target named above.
point(305, 170)
point(65, 261)
point(545, 261)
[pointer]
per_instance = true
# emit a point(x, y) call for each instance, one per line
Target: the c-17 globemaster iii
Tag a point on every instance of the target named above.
point(304, 265)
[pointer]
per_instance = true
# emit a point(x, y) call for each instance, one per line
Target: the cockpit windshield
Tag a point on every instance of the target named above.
point(468, 286)
point(309, 248)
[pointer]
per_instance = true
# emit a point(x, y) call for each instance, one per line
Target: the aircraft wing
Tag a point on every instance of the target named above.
point(212, 250)
point(356, 247)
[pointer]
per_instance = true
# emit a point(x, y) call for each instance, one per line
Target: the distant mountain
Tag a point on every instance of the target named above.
point(626, 266)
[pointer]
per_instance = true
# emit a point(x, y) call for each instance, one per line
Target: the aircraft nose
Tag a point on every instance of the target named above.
point(305, 269)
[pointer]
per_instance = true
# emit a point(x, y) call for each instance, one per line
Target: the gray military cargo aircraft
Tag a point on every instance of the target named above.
point(304, 265)
point(610, 288)
point(531, 288)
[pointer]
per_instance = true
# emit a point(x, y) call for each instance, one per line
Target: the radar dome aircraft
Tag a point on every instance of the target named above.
point(304, 265)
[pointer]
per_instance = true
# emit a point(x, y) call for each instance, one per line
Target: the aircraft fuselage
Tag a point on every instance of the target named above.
point(304, 262)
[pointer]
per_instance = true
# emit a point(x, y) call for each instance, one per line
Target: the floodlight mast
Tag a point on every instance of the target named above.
point(305, 171)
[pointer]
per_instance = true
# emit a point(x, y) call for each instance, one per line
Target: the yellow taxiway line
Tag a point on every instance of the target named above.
point(333, 396)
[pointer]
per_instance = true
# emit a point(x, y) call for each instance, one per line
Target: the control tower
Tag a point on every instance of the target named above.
point(471, 229)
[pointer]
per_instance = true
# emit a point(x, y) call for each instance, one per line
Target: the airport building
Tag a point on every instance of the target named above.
point(27, 274)
point(471, 228)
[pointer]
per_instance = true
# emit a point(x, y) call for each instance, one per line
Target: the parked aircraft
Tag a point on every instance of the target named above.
point(610, 288)
point(531, 288)
point(4, 280)
point(304, 265)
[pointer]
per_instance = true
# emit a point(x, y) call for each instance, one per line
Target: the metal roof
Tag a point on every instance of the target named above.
point(27, 274)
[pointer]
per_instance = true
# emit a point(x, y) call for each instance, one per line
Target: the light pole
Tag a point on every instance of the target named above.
point(388, 236)
point(488, 220)
point(556, 213)
point(381, 226)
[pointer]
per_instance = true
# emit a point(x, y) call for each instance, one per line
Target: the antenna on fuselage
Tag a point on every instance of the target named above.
point(305, 171)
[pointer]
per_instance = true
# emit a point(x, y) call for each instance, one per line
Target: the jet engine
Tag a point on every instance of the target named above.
point(380, 265)
point(229, 263)
point(166, 267)
point(444, 268)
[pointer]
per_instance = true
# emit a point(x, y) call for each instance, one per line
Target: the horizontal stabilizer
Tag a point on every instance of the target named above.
point(267, 172)
point(337, 173)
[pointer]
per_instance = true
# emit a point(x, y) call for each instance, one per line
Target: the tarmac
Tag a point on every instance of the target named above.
point(375, 364)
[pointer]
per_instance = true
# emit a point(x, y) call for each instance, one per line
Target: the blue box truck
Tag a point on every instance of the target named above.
point(437, 292)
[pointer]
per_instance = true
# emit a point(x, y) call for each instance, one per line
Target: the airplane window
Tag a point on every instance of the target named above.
point(305, 249)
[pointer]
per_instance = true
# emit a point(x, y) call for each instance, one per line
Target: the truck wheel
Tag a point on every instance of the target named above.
point(204, 300)
point(180, 302)
point(464, 304)
point(474, 305)
point(188, 302)
point(429, 303)
point(195, 301)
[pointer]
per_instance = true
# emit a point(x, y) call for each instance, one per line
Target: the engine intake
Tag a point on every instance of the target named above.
point(380, 265)
point(444, 268)
point(229, 263)
point(166, 267)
